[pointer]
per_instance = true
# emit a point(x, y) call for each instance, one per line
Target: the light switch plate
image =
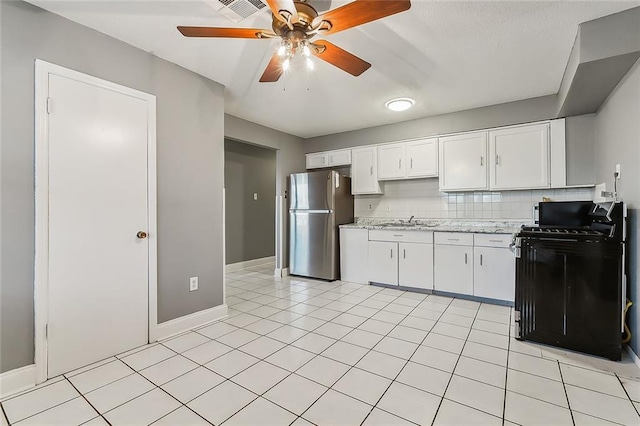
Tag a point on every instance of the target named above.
point(193, 283)
point(255, 196)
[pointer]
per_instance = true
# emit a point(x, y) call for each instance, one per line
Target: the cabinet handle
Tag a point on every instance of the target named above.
point(481, 160)
point(404, 253)
point(497, 160)
point(453, 239)
point(465, 258)
point(480, 260)
point(371, 171)
point(411, 164)
point(399, 163)
point(495, 241)
point(398, 235)
point(391, 252)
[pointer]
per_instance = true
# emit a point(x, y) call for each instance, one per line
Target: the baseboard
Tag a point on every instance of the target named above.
point(633, 356)
point(249, 263)
point(19, 379)
point(188, 322)
point(281, 272)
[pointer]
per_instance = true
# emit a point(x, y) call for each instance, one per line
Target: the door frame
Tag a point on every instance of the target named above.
point(41, 280)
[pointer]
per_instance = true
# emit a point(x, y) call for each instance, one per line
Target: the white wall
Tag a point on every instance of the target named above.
point(617, 130)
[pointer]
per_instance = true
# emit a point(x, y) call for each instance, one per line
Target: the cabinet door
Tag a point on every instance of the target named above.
point(422, 158)
point(339, 158)
point(354, 255)
point(415, 265)
point(463, 162)
point(453, 269)
point(391, 162)
point(520, 157)
point(494, 273)
point(317, 160)
point(364, 176)
point(383, 262)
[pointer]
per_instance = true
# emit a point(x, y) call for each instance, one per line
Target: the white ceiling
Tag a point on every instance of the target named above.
point(447, 55)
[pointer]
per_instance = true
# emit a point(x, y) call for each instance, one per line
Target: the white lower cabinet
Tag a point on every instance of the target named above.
point(494, 270)
point(383, 262)
point(415, 265)
point(402, 258)
point(354, 255)
point(453, 269)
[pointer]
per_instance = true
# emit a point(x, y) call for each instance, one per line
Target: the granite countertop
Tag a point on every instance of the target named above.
point(439, 225)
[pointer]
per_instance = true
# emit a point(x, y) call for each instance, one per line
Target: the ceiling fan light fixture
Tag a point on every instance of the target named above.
point(399, 104)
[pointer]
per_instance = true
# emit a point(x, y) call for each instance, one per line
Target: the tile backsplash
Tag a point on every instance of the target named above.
point(421, 198)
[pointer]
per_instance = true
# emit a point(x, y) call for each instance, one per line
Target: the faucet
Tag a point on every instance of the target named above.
point(411, 218)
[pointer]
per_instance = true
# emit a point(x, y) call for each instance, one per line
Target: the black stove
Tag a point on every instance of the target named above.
point(570, 277)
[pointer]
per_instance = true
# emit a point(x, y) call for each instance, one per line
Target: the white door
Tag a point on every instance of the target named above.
point(494, 274)
point(383, 262)
point(415, 267)
point(364, 175)
point(391, 162)
point(453, 269)
point(463, 162)
point(422, 157)
point(98, 272)
point(520, 157)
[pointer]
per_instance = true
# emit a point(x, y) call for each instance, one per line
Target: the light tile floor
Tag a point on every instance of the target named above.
point(299, 351)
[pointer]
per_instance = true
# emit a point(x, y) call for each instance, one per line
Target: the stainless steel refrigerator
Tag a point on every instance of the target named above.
point(318, 203)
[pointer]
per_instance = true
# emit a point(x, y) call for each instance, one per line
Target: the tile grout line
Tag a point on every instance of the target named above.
point(453, 372)
point(566, 394)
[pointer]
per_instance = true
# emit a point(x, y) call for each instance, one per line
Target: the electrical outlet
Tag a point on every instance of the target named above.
point(388, 207)
point(617, 171)
point(193, 283)
point(255, 196)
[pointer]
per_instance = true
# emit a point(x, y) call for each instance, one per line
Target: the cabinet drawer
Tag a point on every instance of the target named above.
point(401, 236)
point(492, 240)
point(454, 238)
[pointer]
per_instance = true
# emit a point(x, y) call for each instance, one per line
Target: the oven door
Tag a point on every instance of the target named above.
point(568, 294)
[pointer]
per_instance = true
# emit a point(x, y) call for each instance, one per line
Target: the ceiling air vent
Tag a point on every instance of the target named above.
point(238, 10)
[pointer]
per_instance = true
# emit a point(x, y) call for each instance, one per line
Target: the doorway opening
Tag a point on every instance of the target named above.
point(250, 204)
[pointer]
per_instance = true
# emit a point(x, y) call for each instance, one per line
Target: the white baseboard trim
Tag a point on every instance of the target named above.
point(188, 322)
point(633, 356)
point(249, 263)
point(19, 379)
point(281, 272)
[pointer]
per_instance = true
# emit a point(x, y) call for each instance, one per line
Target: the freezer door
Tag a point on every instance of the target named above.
point(311, 191)
point(312, 245)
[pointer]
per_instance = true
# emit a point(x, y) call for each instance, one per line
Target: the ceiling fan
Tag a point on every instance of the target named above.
point(297, 23)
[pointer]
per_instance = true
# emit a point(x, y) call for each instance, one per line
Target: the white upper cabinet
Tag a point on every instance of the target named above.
point(391, 161)
point(422, 158)
point(317, 160)
point(463, 162)
point(340, 157)
point(519, 157)
point(408, 160)
point(364, 174)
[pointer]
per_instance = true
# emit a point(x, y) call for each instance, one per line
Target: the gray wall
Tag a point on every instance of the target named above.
point(479, 118)
point(250, 224)
point(618, 142)
point(290, 152)
point(190, 146)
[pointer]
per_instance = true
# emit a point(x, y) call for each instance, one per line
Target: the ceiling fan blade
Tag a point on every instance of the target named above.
point(339, 57)
point(360, 12)
point(225, 32)
point(273, 71)
point(288, 6)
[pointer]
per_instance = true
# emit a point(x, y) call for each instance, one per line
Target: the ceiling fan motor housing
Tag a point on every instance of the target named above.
point(301, 29)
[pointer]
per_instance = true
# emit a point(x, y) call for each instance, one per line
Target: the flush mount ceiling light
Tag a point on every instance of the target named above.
point(400, 104)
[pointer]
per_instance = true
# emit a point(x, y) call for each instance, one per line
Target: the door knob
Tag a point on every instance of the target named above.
point(141, 234)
